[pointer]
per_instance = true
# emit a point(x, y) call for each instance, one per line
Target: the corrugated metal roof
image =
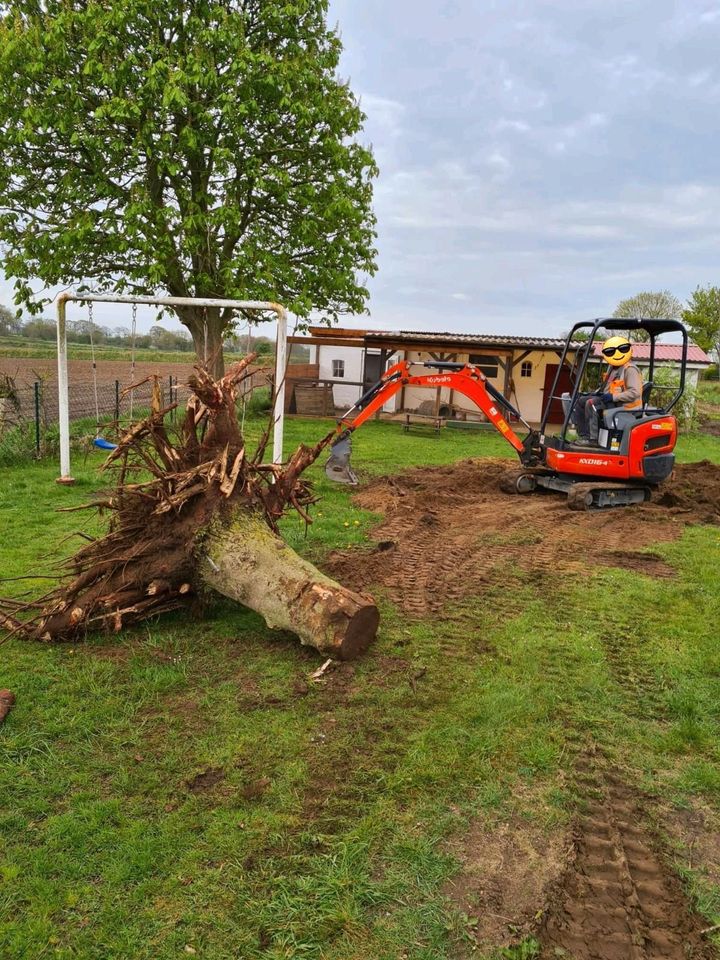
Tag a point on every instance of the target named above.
point(421, 339)
point(664, 351)
point(467, 339)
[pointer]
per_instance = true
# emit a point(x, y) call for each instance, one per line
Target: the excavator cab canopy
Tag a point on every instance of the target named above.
point(578, 355)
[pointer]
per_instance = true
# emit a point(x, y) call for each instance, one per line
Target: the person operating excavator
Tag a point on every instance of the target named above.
point(622, 386)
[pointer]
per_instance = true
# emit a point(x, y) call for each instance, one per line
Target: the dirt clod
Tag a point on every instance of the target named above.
point(7, 701)
point(449, 532)
point(206, 780)
point(254, 790)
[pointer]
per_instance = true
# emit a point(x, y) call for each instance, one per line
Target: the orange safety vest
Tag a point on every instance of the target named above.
point(617, 386)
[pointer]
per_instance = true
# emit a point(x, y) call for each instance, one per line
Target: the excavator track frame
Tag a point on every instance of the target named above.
point(581, 495)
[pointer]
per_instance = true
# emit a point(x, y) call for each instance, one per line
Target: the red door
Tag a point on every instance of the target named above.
point(563, 385)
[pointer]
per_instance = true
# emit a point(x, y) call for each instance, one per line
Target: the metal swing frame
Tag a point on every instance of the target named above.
point(256, 305)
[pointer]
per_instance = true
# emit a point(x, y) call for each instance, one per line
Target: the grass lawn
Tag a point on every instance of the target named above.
point(185, 790)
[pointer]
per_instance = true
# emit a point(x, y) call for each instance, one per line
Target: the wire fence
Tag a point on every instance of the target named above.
point(29, 412)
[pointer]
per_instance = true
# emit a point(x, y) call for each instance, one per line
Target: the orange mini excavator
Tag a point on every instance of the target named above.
point(635, 446)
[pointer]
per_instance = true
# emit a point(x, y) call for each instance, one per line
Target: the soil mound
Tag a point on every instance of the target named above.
point(695, 488)
point(449, 532)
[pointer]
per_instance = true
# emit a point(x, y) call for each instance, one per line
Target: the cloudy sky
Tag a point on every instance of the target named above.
point(540, 159)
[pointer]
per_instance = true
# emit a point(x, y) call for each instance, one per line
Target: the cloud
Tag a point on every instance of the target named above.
point(547, 155)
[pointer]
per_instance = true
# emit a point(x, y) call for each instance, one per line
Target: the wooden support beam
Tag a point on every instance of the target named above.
point(383, 364)
point(519, 359)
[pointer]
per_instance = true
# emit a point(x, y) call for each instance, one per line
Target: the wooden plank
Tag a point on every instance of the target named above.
point(325, 342)
point(335, 332)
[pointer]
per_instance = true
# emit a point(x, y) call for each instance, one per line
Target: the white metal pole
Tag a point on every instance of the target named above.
point(280, 362)
point(280, 372)
point(63, 401)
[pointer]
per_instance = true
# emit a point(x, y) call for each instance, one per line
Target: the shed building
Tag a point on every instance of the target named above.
point(347, 362)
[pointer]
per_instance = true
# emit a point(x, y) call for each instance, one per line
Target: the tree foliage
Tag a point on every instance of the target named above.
point(702, 317)
point(10, 324)
point(648, 305)
point(201, 148)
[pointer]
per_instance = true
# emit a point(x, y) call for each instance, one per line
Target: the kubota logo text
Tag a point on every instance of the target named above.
point(438, 379)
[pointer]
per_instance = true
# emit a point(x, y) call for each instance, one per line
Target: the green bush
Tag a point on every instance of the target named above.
point(260, 402)
point(665, 380)
point(17, 445)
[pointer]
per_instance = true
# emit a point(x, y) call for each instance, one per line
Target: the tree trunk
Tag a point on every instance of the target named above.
point(206, 326)
point(245, 561)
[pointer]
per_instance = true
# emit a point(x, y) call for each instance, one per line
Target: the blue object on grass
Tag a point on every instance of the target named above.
point(104, 444)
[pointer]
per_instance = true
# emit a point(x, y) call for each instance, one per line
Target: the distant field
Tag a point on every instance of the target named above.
point(44, 349)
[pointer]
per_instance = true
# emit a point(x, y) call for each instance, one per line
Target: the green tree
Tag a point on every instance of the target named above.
point(10, 325)
point(648, 305)
point(201, 148)
point(702, 317)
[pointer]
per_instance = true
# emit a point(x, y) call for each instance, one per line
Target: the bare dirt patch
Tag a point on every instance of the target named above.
point(619, 899)
point(505, 873)
point(450, 532)
point(696, 831)
point(602, 889)
point(205, 780)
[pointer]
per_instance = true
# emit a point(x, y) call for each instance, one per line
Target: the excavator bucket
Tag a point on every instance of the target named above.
point(338, 466)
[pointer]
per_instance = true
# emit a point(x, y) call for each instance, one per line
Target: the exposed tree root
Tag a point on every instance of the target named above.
point(172, 504)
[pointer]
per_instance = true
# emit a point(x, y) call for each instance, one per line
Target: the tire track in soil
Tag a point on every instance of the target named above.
point(450, 532)
point(618, 899)
point(643, 689)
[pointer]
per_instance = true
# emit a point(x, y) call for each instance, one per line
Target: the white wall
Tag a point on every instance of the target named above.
point(528, 396)
point(344, 394)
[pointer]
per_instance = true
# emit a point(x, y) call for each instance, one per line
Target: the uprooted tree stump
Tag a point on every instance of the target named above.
point(193, 515)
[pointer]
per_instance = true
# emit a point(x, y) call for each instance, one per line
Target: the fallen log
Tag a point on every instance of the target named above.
point(207, 519)
point(245, 561)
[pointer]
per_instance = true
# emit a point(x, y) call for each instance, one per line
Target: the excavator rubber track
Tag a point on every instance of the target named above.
point(580, 496)
point(601, 496)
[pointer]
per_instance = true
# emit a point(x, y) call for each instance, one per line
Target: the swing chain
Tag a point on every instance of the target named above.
point(94, 369)
point(132, 356)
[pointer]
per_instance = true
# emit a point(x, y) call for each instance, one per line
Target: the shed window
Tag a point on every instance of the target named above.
point(338, 368)
point(526, 368)
point(489, 365)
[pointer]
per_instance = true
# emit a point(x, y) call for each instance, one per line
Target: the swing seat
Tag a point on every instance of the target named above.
point(104, 444)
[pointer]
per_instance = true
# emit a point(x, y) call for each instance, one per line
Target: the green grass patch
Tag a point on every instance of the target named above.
point(184, 789)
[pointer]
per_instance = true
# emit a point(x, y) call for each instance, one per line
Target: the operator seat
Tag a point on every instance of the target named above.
point(617, 418)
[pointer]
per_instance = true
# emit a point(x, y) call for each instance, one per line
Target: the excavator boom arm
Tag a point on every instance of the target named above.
point(463, 378)
point(467, 380)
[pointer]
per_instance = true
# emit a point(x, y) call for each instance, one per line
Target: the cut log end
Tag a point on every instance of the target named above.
point(7, 702)
point(243, 562)
point(359, 632)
